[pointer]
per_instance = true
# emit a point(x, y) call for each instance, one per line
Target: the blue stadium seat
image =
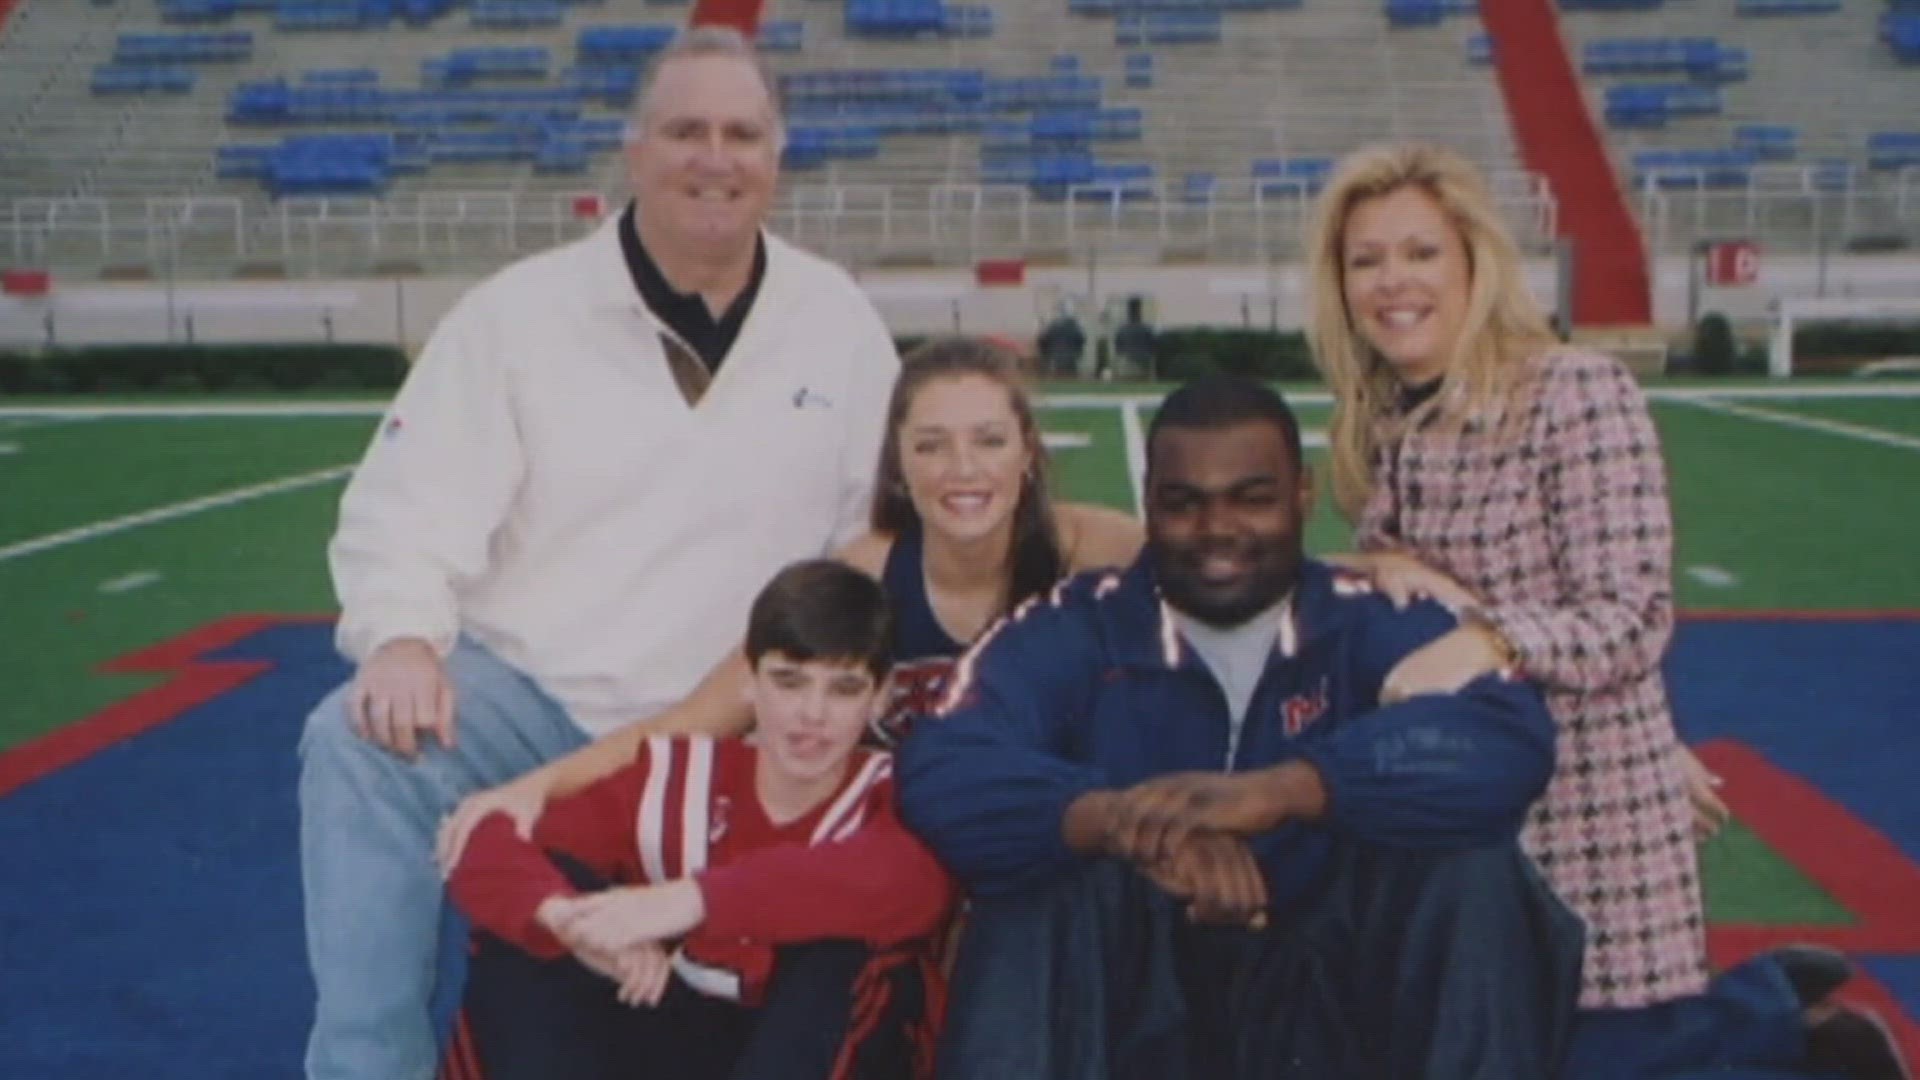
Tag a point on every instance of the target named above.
point(1653, 104)
point(334, 14)
point(782, 35)
point(894, 18)
point(967, 21)
point(1693, 169)
point(1416, 12)
point(1768, 142)
point(611, 43)
point(1893, 149)
point(330, 165)
point(237, 162)
point(1832, 174)
point(612, 85)
point(182, 48)
point(1168, 28)
point(1703, 60)
point(141, 79)
point(340, 77)
point(1900, 29)
point(1785, 7)
point(516, 14)
point(464, 66)
point(560, 157)
point(197, 11)
point(1292, 176)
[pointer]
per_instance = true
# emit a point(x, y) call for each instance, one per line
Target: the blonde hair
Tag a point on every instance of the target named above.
point(1502, 327)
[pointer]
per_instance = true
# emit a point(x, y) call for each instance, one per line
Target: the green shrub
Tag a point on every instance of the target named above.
point(1714, 350)
point(190, 368)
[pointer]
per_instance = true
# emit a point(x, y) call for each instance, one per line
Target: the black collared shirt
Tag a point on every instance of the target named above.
point(686, 314)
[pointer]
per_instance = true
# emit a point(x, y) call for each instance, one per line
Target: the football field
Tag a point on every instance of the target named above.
point(164, 605)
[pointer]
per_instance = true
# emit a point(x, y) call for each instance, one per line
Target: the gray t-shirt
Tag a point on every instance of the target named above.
point(1236, 655)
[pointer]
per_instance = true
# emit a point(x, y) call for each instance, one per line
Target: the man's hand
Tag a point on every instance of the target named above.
point(400, 691)
point(1443, 665)
point(1152, 820)
point(521, 799)
point(614, 920)
point(1218, 877)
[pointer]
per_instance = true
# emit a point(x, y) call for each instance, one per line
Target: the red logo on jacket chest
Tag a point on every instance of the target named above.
point(1299, 710)
point(914, 688)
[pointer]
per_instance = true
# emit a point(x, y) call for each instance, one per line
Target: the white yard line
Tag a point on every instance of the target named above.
point(7, 448)
point(1136, 453)
point(139, 579)
point(1812, 423)
point(1712, 576)
point(14, 420)
point(171, 512)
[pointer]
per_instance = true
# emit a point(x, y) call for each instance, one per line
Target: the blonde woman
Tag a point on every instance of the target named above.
point(1521, 482)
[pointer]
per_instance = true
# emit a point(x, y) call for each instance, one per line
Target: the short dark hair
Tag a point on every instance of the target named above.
point(1212, 401)
point(821, 609)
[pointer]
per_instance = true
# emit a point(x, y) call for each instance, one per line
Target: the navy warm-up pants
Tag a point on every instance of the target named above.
point(1444, 965)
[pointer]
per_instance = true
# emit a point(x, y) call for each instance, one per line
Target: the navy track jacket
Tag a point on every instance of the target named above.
point(1093, 688)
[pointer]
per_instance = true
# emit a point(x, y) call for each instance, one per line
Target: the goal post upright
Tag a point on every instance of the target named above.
point(1789, 310)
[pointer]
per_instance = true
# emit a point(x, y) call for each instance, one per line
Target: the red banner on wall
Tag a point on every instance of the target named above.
point(1733, 263)
point(1002, 272)
point(25, 282)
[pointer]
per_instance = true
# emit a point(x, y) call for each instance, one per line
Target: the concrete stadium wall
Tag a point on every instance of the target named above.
point(404, 310)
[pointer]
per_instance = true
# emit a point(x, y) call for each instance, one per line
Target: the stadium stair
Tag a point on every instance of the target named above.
point(1559, 140)
point(742, 15)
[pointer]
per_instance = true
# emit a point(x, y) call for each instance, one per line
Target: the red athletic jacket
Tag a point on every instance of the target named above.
point(686, 807)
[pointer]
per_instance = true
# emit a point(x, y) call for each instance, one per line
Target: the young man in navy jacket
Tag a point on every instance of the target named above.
point(1199, 843)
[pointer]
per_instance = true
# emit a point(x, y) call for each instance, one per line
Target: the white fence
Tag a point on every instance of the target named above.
point(952, 225)
point(939, 225)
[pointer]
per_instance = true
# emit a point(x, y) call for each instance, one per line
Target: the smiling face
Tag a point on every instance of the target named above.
point(964, 456)
point(1226, 508)
point(810, 715)
point(1405, 277)
point(706, 157)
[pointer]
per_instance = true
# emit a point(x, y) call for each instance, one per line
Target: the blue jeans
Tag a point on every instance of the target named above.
point(1747, 1026)
point(374, 900)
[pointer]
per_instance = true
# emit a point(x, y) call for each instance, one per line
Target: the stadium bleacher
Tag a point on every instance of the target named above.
point(1113, 101)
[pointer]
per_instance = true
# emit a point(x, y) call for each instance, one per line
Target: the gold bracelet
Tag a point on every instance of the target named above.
point(1503, 649)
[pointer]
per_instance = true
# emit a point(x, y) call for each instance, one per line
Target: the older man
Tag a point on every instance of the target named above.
point(602, 453)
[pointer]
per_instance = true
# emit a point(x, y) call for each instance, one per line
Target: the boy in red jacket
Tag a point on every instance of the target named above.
point(647, 926)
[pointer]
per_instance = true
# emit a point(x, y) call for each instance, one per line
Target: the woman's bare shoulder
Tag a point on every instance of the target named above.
point(1093, 536)
point(867, 553)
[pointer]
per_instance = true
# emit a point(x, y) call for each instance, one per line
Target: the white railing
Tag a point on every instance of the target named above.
point(945, 224)
point(1790, 207)
point(1241, 221)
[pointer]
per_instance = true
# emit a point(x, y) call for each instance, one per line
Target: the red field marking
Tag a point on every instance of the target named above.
point(194, 682)
point(1860, 868)
point(1802, 615)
